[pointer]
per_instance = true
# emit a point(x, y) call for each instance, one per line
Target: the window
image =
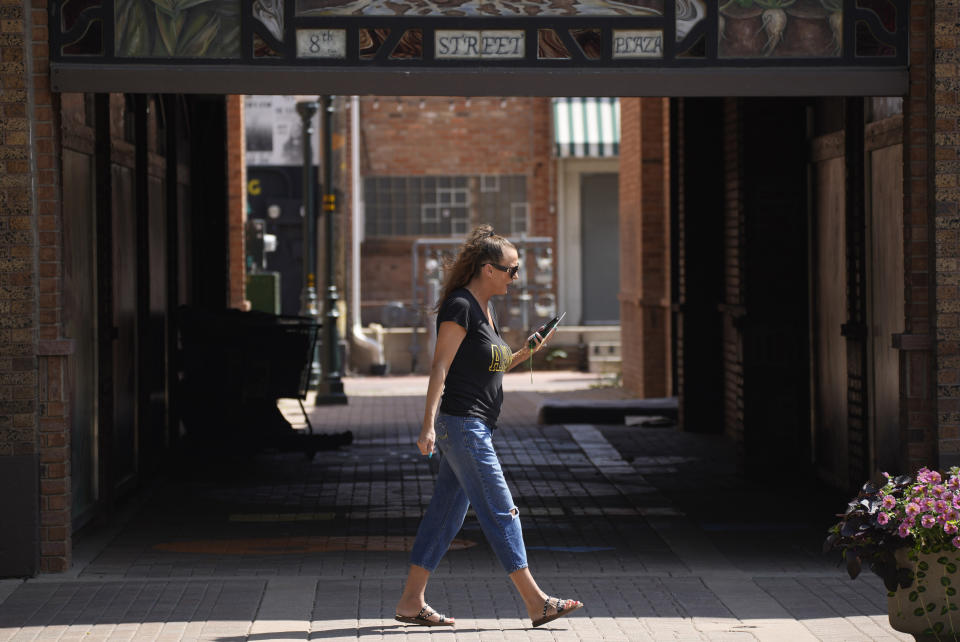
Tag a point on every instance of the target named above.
point(444, 205)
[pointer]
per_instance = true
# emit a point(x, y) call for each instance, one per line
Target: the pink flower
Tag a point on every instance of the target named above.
point(941, 506)
point(952, 515)
point(882, 518)
point(913, 509)
point(923, 475)
point(954, 483)
point(927, 521)
point(956, 541)
point(889, 502)
point(904, 531)
point(938, 491)
point(930, 505)
point(935, 477)
point(950, 529)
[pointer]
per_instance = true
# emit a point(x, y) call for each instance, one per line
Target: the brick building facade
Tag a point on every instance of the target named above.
point(477, 139)
point(759, 332)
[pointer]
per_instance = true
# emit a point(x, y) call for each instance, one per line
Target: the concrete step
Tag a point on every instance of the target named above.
point(604, 411)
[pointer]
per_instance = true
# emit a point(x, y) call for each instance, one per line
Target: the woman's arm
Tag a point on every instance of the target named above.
point(525, 352)
point(449, 337)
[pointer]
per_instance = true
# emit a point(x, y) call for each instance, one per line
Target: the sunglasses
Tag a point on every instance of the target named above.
point(512, 271)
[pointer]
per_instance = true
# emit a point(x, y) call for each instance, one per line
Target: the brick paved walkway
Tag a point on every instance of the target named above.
point(649, 527)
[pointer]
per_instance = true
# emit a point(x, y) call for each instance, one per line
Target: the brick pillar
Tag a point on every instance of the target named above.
point(53, 350)
point(34, 416)
point(645, 245)
point(933, 140)
point(237, 201)
point(733, 291)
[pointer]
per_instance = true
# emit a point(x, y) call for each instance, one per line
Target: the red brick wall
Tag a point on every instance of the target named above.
point(410, 135)
point(33, 409)
point(943, 159)
point(18, 240)
point(733, 275)
point(918, 356)
point(52, 349)
point(645, 246)
point(631, 326)
point(657, 363)
point(237, 200)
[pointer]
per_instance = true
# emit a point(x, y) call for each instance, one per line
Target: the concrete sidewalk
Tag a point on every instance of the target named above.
point(649, 527)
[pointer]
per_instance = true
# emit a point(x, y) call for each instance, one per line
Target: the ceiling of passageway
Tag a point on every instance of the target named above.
point(482, 47)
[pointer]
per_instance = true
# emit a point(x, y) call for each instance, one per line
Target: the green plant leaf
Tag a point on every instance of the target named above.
point(199, 32)
point(918, 611)
point(942, 560)
point(930, 606)
point(165, 5)
point(169, 29)
point(921, 574)
point(951, 591)
point(938, 627)
point(227, 44)
point(951, 568)
point(923, 566)
point(913, 596)
point(183, 5)
point(945, 581)
point(138, 40)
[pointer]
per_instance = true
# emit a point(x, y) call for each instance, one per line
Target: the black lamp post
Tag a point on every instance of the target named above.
point(308, 293)
point(330, 389)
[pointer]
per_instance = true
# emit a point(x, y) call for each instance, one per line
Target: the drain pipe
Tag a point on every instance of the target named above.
point(374, 348)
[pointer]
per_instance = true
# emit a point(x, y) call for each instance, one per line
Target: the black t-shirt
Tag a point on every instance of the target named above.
point(474, 382)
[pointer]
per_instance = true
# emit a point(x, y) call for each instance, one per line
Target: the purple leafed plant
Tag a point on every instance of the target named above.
point(920, 514)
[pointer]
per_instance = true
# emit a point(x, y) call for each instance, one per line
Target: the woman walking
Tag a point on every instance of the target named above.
point(465, 384)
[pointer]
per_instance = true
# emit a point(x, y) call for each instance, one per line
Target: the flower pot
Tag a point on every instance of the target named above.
point(741, 32)
point(808, 32)
point(930, 608)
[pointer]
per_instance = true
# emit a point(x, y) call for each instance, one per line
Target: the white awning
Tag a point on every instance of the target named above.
point(584, 127)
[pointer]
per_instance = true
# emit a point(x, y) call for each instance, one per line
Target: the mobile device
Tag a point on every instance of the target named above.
point(545, 329)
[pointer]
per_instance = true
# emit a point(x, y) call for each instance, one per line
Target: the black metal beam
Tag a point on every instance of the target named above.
point(490, 81)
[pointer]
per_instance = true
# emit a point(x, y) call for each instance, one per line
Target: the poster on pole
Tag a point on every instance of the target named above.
point(274, 131)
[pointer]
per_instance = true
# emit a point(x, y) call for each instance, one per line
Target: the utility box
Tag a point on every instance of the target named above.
point(263, 292)
point(604, 356)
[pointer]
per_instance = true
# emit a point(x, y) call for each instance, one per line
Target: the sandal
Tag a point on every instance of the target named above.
point(423, 619)
point(563, 607)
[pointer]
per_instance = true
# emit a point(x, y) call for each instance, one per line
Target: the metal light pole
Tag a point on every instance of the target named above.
point(308, 294)
point(330, 389)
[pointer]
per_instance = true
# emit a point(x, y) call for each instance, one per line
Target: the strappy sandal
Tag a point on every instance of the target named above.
point(563, 607)
point(423, 619)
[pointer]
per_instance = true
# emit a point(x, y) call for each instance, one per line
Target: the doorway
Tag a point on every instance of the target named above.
point(599, 222)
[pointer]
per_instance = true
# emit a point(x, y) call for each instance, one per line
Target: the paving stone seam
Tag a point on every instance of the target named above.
point(102, 579)
point(688, 543)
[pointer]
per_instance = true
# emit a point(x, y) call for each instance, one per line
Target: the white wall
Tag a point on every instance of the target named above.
point(569, 288)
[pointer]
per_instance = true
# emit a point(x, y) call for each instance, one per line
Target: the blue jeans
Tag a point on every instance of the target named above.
point(469, 474)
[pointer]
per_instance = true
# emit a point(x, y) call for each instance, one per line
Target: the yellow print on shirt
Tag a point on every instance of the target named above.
point(501, 356)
